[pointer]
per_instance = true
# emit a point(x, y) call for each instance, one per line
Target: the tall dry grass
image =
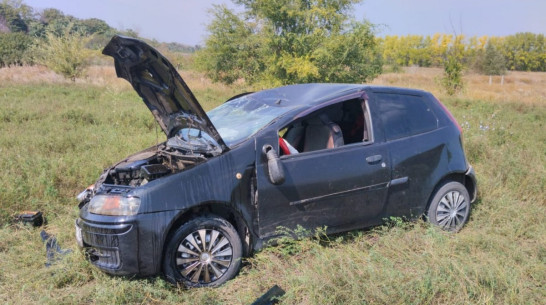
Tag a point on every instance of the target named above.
point(104, 76)
point(520, 87)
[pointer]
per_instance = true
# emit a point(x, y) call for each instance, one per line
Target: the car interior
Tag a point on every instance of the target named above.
point(333, 126)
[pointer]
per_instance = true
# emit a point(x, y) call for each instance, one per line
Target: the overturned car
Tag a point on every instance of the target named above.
point(340, 156)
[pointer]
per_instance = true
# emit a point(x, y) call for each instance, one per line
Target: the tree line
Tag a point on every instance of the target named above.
point(273, 42)
point(292, 41)
point(518, 52)
point(22, 27)
point(24, 30)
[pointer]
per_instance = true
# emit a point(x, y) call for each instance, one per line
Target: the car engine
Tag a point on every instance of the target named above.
point(149, 165)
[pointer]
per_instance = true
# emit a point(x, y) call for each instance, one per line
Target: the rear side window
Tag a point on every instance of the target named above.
point(404, 115)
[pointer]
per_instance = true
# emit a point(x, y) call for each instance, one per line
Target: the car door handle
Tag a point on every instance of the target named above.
point(374, 159)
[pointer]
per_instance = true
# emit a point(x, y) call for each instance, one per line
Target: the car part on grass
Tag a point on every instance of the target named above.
point(271, 297)
point(54, 252)
point(33, 218)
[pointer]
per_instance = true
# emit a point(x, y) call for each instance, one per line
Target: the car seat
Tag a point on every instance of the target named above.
point(295, 135)
point(321, 132)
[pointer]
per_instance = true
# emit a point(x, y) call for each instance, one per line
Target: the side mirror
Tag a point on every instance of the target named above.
point(274, 167)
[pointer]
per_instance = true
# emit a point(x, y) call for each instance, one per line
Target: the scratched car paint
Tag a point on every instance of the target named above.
point(339, 156)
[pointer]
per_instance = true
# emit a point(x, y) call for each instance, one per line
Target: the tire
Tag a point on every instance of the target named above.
point(450, 207)
point(186, 261)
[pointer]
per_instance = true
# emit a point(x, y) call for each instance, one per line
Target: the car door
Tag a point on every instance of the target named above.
point(417, 152)
point(340, 188)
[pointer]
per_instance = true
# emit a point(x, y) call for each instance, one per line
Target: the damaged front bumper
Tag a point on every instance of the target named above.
point(124, 245)
point(113, 248)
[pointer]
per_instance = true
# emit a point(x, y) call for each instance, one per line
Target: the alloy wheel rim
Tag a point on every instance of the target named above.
point(452, 210)
point(204, 256)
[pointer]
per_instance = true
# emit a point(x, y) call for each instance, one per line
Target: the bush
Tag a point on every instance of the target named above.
point(453, 75)
point(13, 48)
point(452, 82)
point(66, 54)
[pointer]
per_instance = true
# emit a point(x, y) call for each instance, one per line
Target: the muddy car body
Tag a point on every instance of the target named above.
point(340, 156)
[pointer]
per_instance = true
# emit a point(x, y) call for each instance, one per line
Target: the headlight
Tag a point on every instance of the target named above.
point(83, 195)
point(114, 205)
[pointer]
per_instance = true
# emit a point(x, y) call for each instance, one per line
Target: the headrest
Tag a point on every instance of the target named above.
point(335, 113)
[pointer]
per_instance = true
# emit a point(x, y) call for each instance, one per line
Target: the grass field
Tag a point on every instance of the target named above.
point(57, 136)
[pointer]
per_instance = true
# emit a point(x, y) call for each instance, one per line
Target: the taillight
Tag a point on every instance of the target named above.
point(450, 116)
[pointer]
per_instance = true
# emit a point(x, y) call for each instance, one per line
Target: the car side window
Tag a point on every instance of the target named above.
point(404, 115)
point(333, 126)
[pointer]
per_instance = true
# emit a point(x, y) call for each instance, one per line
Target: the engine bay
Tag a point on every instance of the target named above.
point(150, 164)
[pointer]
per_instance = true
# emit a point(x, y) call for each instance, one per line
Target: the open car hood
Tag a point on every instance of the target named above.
point(163, 90)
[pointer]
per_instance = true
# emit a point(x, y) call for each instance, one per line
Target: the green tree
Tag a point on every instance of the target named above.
point(11, 19)
point(91, 26)
point(493, 62)
point(130, 33)
point(13, 48)
point(525, 52)
point(49, 15)
point(352, 57)
point(233, 51)
point(452, 80)
point(290, 41)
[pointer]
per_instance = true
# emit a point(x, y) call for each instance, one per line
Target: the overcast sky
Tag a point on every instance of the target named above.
point(185, 21)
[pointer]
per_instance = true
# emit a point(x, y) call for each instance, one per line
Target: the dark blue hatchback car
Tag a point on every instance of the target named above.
point(339, 156)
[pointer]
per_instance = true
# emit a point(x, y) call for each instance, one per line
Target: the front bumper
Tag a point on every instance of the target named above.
point(113, 248)
point(125, 245)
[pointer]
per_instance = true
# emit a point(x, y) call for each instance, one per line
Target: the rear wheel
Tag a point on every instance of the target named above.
point(204, 252)
point(450, 207)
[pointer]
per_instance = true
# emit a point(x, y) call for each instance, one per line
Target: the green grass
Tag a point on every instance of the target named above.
point(57, 138)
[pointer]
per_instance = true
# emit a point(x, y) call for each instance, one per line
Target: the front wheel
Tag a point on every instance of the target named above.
point(204, 252)
point(450, 207)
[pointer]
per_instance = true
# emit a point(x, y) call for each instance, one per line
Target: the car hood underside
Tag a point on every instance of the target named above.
point(162, 89)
